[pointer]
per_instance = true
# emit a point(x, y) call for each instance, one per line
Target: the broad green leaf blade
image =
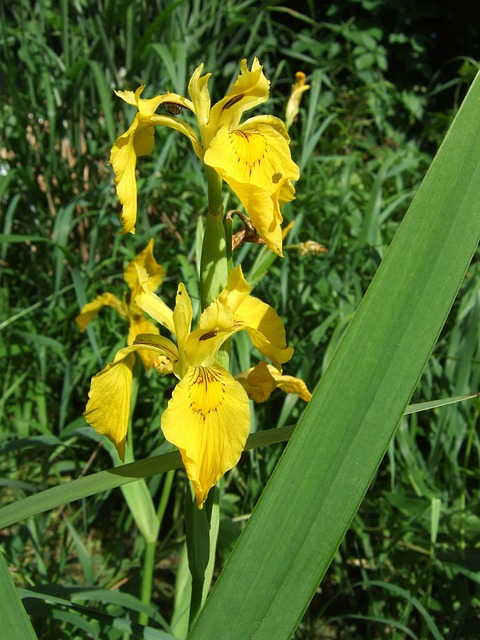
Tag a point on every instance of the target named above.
point(113, 478)
point(129, 473)
point(14, 622)
point(332, 456)
point(87, 486)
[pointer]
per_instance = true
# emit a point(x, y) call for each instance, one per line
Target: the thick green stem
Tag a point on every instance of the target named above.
point(201, 527)
point(214, 191)
point(147, 578)
point(150, 546)
point(214, 264)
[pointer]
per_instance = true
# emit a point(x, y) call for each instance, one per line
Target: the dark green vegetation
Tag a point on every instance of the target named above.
point(383, 93)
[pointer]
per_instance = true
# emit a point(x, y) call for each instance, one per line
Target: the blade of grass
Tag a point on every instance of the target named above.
point(342, 437)
point(118, 476)
point(14, 622)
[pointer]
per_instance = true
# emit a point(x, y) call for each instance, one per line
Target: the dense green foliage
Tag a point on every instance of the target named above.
point(381, 99)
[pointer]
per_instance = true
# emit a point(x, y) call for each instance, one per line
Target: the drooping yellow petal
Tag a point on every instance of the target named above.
point(260, 381)
point(108, 407)
point(90, 310)
point(254, 160)
point(138, 140)
point(257, 382)
point(265, 329)
point(263, 211)
point(290, 384)
point(208, 419)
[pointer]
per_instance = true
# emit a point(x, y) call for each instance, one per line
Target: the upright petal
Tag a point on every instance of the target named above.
point(265, 329)
point(198, 90)
point(218, 322)
point(208, 419)
point(236, 289)
point(202, 345)
point(182, 320)
point(250, 89)
point(146, 259)
point(151, 303)
point(293, 104)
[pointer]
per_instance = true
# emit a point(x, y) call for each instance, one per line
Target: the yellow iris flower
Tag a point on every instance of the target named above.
point(129, 311)
point(208, 415)
point(253, 158)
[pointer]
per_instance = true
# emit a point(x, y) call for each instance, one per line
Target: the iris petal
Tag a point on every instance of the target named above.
point(90, 310)
point(208, 419)
point(145, 259)
point(108, 407)
point(260, 381)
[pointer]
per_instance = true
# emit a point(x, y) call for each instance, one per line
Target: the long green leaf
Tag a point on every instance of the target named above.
point(338, 445)
point(132, 472)
point(112, 478)
point(87, 486)
point(14, 622)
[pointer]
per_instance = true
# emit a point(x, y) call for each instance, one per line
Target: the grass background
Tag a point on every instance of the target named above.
point(384, 90)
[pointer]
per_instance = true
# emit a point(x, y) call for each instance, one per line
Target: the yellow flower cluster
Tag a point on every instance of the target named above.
point(208, 416)
point(252, 157)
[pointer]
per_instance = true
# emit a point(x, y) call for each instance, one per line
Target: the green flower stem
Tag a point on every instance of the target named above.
point(150, 547)
point(214, 191)
point(214, 264)
point(147, 578)
point(201, 527)
point(167, 487)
